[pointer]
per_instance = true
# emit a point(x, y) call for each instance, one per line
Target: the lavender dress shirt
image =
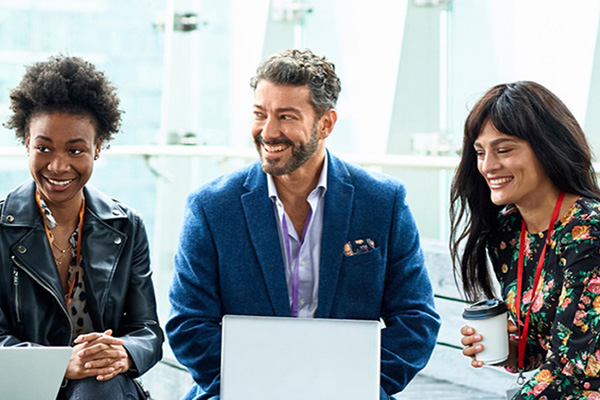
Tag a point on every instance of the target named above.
point(310, 251)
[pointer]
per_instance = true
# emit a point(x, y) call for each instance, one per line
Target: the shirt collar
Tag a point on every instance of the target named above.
point(321, 184)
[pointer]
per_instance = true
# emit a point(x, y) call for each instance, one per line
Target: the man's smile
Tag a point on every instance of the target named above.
point(275, 148)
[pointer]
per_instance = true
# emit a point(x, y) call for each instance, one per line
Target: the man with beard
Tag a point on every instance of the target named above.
point(302, 234)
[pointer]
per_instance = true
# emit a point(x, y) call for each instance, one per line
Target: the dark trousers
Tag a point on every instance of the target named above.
point(121, 387)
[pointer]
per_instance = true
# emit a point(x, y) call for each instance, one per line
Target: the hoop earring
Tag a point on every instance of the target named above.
point(96, 157)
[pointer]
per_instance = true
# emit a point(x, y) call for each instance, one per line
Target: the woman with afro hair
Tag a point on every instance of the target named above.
point(74, 263)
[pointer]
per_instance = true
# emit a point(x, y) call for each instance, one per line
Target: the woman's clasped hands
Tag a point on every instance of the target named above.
point(98, 354)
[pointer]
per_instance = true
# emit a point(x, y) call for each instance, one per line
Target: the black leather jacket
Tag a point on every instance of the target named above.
point(119, 290)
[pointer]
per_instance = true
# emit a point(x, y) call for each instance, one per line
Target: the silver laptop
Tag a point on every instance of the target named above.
point(274, 358)
point(28, 373)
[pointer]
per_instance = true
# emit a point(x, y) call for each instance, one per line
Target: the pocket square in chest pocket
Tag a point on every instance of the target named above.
point(358, 246)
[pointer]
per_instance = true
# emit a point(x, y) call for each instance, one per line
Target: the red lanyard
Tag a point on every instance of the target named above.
point(538, 273)
point(79, 235)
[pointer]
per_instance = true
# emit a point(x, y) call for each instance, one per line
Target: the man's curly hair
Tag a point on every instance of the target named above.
point(68, 84)
point(298, 68)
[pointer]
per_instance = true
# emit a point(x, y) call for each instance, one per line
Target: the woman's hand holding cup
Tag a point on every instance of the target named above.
point(471, 340)
point(485, 336)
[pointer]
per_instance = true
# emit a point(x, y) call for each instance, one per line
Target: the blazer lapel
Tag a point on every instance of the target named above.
point(339, 199)
point(262, 227)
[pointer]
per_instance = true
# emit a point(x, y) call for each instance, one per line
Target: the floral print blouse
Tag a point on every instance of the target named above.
point(564, 332)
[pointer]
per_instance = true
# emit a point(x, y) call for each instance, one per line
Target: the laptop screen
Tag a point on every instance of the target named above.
point(299, 358)
point(32, 372)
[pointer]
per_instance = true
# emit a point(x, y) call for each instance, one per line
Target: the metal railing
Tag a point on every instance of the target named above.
point(247, 153)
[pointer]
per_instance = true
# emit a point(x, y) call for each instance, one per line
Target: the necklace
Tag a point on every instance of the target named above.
point(77, 252)
point(63, 251)
point(59, 260)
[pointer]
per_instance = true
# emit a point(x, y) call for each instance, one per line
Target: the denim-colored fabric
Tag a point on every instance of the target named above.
point(121, 387)
point(229, 261)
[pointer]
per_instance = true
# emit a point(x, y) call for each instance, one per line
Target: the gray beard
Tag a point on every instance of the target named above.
point(300, 154)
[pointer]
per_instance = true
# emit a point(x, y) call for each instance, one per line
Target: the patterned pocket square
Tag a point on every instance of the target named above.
point(358, 246)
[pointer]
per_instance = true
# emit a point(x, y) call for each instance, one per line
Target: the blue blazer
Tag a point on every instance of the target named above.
point(229, 261)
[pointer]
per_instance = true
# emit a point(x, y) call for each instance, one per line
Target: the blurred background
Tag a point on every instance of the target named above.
point(410, 71)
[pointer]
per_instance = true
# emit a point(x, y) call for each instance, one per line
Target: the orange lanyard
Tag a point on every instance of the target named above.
point(538, 273)
point(79, 235)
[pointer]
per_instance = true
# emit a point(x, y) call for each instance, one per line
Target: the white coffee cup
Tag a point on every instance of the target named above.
point(489, 319)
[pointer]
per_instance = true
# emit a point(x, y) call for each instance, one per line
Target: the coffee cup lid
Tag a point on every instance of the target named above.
point(485, 309)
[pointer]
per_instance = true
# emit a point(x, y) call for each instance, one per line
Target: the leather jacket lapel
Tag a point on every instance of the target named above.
point(33, 255)
point(101, 251)
point(30, 245)
point(101, 248)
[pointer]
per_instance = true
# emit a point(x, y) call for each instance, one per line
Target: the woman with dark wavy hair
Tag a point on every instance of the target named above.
point(74, 263)
point(525, 197)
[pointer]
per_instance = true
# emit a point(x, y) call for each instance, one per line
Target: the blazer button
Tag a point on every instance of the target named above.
point(10, 218)
point(22, 249)
point(117, 240)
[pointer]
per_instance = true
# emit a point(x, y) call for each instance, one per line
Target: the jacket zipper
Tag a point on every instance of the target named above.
point(58, 300)
point(16, 288)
